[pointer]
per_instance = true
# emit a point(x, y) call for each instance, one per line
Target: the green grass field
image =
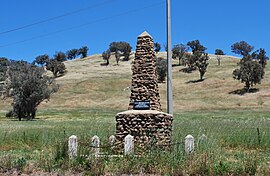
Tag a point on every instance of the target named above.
point(237, 127)
point(233, 144)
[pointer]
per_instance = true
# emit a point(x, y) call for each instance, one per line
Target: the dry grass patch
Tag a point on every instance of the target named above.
point(87, 84)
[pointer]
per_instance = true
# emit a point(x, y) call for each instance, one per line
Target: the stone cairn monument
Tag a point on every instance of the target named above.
point(144, 119)
point(144, 79)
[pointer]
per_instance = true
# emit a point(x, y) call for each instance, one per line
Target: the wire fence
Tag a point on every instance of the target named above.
point(127, 146)
point(187, 144)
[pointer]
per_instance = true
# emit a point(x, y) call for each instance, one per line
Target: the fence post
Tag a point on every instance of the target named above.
point(189, 144)
point(95, 144)
point(129, 145)
point(203, 137)
point(202, 142)
point(72, 146)
point(112, 140)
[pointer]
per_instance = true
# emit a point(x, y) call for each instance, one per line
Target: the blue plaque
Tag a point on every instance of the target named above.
point(141, 105)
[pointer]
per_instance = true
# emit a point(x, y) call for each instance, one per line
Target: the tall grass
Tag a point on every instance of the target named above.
point(233, 144)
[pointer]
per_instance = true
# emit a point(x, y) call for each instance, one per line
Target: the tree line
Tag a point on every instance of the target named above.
point(28, 85)
point(196, 60)
point(55, 64)
point(118, 49)
point(251, 69)
point(251, 66)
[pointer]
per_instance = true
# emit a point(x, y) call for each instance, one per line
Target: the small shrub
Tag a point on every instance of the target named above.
point(20, 163)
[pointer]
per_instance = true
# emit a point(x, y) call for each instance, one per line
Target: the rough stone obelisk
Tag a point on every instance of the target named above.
point(144, 84)
point(150, 126)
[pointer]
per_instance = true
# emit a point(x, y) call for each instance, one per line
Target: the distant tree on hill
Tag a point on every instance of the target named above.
point(106, 56)
point(196, 47)
point(199, 57)
point(161, 69)
point(122, 47)
point(83, 51)
point(242, 48)
point(178, 51)
point(260, 56)
point(250, 73)
point(4, 63)
point(201, 63)
point(157, 47)
point(252, 66)
point(72, 54)
point(29, 87)
point(114, 46)
point(189, 61)
point(41, 59)
point(218, 53)
point(126, 50)
point(117, 57)
point(56, 67)
point(60, 56)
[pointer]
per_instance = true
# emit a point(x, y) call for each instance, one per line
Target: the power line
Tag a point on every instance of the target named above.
point(55, 17)
point(82, 25)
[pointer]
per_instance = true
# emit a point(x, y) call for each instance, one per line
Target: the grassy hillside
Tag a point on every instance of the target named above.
point(87, 84)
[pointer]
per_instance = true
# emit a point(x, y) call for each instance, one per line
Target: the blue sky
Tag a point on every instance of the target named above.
point(97, 23)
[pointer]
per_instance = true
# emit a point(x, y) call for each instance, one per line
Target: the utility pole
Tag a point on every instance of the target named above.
point(169, 60)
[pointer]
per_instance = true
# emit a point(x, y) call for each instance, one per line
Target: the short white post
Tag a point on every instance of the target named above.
point(112, 140)
point(129, 145)
point(202, 142)
point(95, 144)
point(202, 138)
point(189, 144)
point(72, 146)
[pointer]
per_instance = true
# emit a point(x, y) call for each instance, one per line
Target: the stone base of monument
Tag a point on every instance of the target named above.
point(149, 127)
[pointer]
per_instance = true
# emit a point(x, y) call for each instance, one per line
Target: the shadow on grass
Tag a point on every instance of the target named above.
point(104, 64)
point(175, 65)
point(186, 70)
point(24, 119)
point(195, 81)
point(244, 91)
